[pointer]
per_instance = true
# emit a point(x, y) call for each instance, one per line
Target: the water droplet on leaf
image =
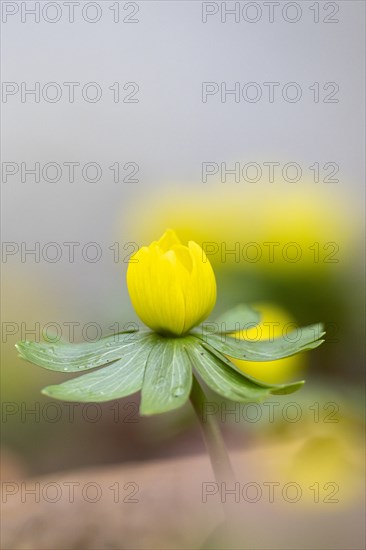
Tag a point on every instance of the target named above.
point(178, 391)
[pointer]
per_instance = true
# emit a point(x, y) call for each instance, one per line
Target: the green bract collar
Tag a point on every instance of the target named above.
point(163, 367)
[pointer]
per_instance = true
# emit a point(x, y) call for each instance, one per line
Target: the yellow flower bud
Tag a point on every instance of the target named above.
point(172, 287)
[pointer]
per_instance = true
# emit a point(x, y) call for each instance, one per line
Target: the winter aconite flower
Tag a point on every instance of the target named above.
point(172, 287)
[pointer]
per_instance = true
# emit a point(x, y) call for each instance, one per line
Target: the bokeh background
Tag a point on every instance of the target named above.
point(168, 133)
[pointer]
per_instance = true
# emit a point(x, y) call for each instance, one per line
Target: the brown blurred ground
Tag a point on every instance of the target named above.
point(169, 512)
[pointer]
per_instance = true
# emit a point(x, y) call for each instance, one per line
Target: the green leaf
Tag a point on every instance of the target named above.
point(266, 350)
point(288, 388)
point(238, 318)
point(121, 378)
point(168, 376)
point(278, 389)
point(226, 381)
point(66, 357)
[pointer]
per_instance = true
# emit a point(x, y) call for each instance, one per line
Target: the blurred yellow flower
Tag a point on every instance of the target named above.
point(315, 443)
point(172, 287)
point(328, 464)
point(275, 322)
point(281, 227)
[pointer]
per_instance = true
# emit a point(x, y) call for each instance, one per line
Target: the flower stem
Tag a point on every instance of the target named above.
point(212, 436)
point(226, 531)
